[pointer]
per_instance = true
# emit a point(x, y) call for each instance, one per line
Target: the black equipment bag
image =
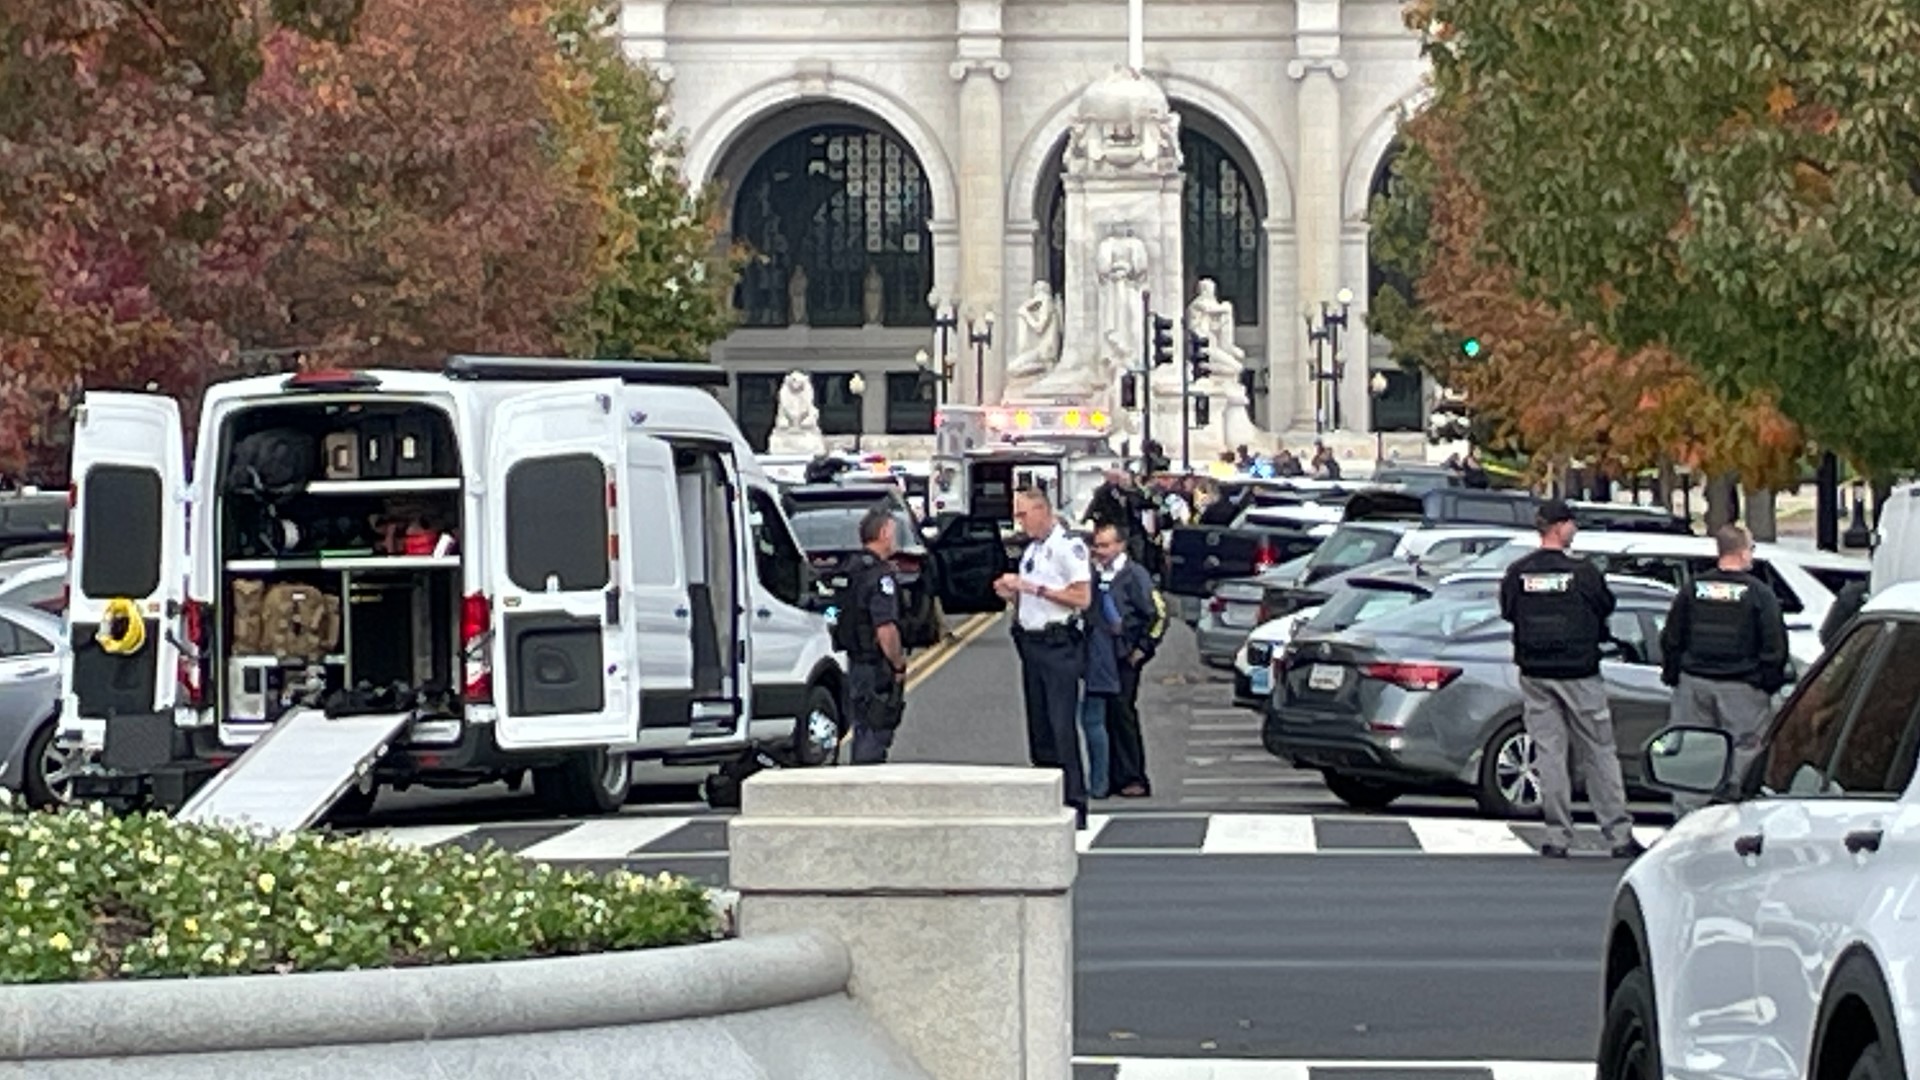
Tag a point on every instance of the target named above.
point(273, 462)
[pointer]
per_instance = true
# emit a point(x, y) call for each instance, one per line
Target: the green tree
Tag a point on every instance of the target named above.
point(664, 287)
point(1731, 180)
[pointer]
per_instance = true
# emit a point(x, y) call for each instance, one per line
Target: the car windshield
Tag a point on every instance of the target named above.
point(1349, 547)
point(1357, 604)
point(1499, 558)
point(837, 528)
point(1440, 619)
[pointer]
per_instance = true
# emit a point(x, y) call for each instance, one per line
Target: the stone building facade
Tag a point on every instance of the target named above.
point(876, 153)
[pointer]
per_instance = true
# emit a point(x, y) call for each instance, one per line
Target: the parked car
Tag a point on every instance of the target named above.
point(33, 646)
point(35, 583)
point(1770, 934)
point(826, 523)
point(1223, 620)
point(1369, 592)
point(1428, 699)
point(1805, 581)
point(33, 523)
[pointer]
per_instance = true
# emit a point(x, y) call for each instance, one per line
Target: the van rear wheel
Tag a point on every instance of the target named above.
point(595, 782)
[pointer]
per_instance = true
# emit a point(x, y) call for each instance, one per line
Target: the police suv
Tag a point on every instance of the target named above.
point(507, 568)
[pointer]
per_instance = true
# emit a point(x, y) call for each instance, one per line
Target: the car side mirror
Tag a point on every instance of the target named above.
point(1689, 760)
point(1612, 650)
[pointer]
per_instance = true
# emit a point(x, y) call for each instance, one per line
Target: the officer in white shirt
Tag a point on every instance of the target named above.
point(1053, 586)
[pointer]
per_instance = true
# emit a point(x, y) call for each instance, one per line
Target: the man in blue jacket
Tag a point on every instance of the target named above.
point(1124, 624)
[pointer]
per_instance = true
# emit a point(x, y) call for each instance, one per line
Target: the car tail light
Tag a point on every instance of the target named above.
point(476, 623)
point(907, 564)
point(1413, 676)
point(1217, 604)
point(1266, 556)
point(196, 660)
point(1265, 615)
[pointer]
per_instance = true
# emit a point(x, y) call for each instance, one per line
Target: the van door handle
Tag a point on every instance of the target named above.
point(1749, 847)
point(763, 613)
point(1864, 840)
point(680, 613)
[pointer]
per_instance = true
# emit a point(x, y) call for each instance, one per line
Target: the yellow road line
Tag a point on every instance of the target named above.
point(934, 659)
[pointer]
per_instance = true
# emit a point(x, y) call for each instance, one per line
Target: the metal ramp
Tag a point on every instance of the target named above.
point(291, 777)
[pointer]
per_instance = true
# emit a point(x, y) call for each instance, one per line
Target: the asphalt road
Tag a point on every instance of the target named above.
point(1367, 958)
point(1346, 953)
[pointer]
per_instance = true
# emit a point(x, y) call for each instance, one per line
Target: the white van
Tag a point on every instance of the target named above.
point(538, 567)
point(1896, 547)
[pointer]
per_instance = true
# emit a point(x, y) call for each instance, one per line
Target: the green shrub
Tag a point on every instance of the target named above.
point(87, 895)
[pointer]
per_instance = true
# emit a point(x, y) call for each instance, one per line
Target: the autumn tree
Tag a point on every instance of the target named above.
point(190, 188)
point(1732, 182)
point(663, 288)
point(1541, 382)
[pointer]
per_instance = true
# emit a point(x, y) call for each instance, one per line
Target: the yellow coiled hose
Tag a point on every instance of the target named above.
point(122, 631)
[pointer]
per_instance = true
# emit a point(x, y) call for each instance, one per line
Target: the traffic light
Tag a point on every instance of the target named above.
point(1197, 356)
point(1202, 410)
point(1129, 393)
point(1470, 348)
point(1162, 340)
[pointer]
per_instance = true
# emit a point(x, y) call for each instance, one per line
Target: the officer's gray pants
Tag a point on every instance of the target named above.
point(1737, 708)
point(1564, 715)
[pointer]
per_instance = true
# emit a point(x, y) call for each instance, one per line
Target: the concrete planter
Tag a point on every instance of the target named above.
point(774, 1007)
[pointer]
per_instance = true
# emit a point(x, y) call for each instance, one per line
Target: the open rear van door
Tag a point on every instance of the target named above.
point(129, 543)
point(554, 468)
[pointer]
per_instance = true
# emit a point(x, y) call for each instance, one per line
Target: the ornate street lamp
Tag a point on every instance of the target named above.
point(1378, 385)
point(980, 335)
point(857, 386)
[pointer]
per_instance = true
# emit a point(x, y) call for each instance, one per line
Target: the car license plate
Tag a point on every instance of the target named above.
point(1326, 677)
point(1260, 680)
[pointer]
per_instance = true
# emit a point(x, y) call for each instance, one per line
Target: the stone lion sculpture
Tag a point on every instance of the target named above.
point(796, 420)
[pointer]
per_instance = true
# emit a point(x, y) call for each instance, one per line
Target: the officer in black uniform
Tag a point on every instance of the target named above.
point(876, 663)
point(1559, 606)
point(1724, 650)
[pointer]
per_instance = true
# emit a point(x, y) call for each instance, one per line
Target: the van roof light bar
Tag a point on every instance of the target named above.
point(546, 369)
point(330, 379)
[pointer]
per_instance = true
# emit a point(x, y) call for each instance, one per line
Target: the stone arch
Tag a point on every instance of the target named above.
point(1363, 167)
point(719, 141)
point(836, 208)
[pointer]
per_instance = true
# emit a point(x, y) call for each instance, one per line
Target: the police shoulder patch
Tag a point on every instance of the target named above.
point(1079, 550)
point(886, 585)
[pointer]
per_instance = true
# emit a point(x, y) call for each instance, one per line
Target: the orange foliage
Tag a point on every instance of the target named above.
point(1557, 386)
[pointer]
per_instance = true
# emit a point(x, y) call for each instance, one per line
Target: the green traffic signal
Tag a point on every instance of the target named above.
point(1471, 347)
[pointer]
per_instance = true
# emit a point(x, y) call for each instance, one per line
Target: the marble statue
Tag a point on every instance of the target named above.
point(873, 303)
point(1212, 318)
point(797, 296)
point(1037, 346)
point(796, 421)
point(1121, 263)
point(1123, 124)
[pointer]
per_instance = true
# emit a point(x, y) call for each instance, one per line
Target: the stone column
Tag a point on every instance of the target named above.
point(1318, 70)
point(643, 35)
point(1289, 395)
point(950, 886)
point(979, 69)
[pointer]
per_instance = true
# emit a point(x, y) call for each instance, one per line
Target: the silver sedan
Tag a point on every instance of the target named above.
point(33, 646)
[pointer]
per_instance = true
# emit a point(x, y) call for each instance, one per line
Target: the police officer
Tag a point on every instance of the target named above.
point(1051, 589)
point(876, 663)
point(1725, 649)
point(1559, 606)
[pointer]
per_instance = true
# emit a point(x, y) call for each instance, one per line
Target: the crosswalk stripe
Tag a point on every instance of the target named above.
point(604, 838)
point(1259, 834)
point(1083, 841)
point(1462, 836)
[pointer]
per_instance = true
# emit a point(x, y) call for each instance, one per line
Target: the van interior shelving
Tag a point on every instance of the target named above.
point(361, 556)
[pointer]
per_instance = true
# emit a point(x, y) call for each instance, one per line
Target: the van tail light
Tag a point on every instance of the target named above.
point(196, 660)
point(1413, 676)
point(476, 623)
point(1265, 557)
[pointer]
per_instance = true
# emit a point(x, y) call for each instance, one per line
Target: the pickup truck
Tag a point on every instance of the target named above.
point(1261, 537)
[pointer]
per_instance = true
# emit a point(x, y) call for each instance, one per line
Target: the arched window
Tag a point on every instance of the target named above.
point(1221, 236)
point(836, 219)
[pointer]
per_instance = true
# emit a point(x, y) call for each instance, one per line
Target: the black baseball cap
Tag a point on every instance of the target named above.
point(1552, 512)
